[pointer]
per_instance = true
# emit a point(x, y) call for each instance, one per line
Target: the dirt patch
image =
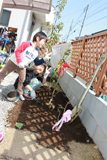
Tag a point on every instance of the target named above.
point(38, 118)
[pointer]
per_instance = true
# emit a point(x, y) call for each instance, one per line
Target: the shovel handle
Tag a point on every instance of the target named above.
point(87, 89)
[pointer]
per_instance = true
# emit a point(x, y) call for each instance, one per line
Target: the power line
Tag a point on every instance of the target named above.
point(94, 3)
point(73, 13)
point(95, 21)
point(82, 9)
point(78, 19)
point(92, 13)
point(76, 23)
point(97, 12)
point(97, 8)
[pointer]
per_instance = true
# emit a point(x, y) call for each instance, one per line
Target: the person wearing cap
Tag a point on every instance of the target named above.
point(24, 55)
point(33, 80)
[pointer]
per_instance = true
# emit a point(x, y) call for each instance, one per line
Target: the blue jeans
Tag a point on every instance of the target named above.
point(34, 84)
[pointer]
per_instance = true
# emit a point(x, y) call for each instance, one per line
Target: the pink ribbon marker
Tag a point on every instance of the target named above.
point(1, 137)
point(65, 118)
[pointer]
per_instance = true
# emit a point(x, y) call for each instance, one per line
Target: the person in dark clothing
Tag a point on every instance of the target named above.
point(33, 80)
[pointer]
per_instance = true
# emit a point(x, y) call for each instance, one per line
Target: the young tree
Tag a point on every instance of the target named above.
point(54, 36)
point(54, 32)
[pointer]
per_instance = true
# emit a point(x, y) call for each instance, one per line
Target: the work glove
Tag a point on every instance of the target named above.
point(47, 57)
point(21, 65)
point(33, 94)
point(46, 73)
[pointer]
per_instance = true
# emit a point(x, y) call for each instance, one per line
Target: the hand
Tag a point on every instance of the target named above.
point(21, 65)
point(46, 73)
point(33, 94)
point(46, 58)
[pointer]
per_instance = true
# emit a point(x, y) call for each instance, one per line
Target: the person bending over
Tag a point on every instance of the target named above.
point(24, 55)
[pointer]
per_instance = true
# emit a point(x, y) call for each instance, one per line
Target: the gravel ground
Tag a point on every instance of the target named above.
point(5, 105)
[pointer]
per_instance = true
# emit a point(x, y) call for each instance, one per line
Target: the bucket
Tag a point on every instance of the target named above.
point(10, 94)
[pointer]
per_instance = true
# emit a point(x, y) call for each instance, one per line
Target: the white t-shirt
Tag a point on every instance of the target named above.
point(27, 56)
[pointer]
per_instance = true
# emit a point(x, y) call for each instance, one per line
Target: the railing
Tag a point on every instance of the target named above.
point(86, 54)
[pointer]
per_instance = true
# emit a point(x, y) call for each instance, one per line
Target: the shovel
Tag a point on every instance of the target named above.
point(34, 98)
point(37, 100)
point(77, 109)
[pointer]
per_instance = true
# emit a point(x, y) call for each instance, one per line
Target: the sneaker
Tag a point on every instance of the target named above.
point(21, 97)
point(27, 97)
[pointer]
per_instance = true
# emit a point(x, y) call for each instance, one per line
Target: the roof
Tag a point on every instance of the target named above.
point(99, 32)
point(43, 6)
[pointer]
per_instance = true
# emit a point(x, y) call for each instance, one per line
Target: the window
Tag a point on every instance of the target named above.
point(4, 20)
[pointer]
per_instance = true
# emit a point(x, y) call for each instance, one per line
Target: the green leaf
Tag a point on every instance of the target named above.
point(19, 125)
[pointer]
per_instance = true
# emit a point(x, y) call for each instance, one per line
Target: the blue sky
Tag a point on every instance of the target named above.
point(74, 12)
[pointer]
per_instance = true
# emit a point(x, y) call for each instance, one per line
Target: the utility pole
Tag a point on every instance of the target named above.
point(83, 20)
point(69, 30)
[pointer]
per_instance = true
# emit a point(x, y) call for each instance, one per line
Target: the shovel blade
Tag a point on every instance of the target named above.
point(75, 113)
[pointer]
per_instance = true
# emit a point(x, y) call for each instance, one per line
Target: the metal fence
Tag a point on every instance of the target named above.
point(86, 54)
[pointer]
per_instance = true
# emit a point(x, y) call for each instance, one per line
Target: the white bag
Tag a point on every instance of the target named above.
point(58, 52)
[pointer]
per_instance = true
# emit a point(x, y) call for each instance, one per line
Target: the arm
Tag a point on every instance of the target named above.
point(45, 75)
point(29, 76)
point(29, 87)
point(32, 92)
point(20, 49)
point(38, 61)
point(44, 81)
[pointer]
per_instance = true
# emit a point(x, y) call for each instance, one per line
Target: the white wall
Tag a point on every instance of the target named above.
point(22, 20)
point(94, 110)
point(26, 26)
point(19, 19)
point(50, 16)
point(37, 27)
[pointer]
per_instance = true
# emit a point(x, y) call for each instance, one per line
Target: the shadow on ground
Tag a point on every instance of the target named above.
point(38, 119)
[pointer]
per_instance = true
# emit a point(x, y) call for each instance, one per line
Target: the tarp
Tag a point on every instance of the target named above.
point(43, 6)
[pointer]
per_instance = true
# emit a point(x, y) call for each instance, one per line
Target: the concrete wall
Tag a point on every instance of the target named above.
point(94, 110)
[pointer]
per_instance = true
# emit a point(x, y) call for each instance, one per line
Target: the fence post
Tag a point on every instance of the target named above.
point(101, 78)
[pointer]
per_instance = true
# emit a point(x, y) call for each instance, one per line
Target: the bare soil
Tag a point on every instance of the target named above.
point(38, 118)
